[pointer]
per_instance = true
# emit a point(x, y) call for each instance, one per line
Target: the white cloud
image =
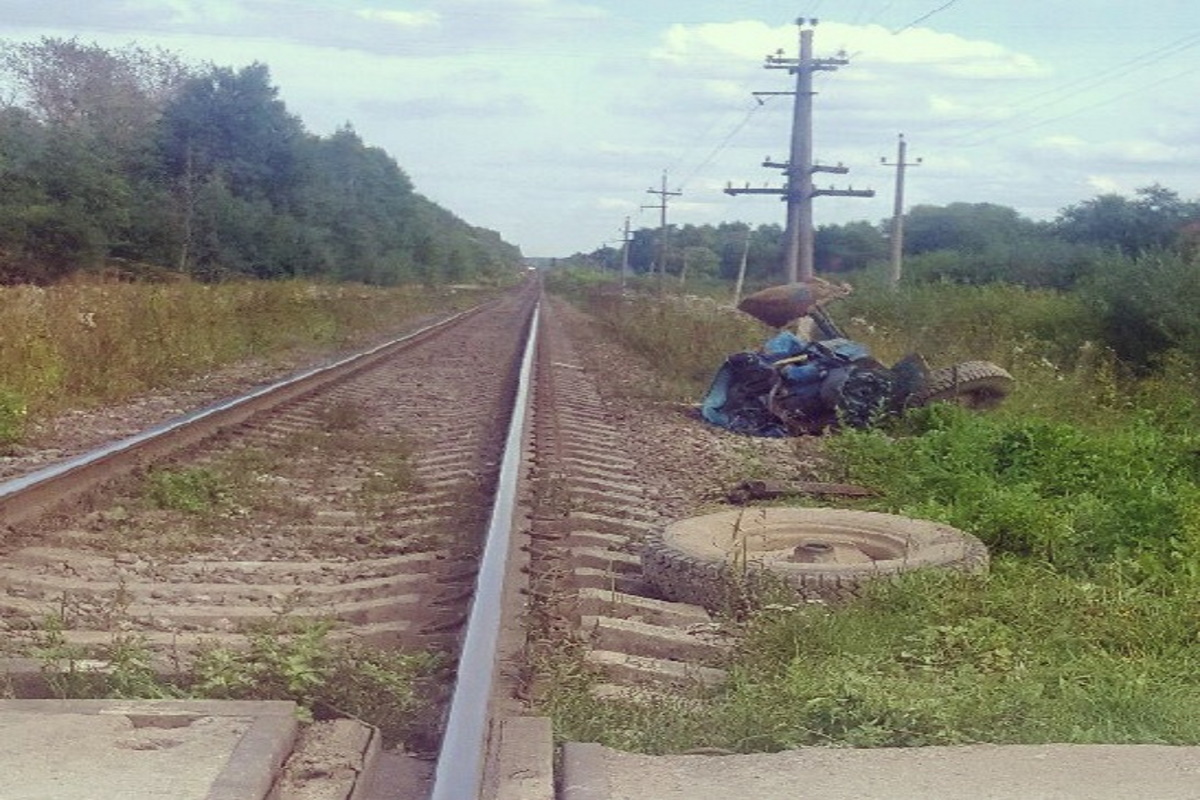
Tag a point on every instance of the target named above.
point(613, 204)
point(964, 107)
point(939, 53)
point(685, 45)
point(942, 53)
point(400, 19)
point(431, 107)
point(1105, 185)
point(1115, 152)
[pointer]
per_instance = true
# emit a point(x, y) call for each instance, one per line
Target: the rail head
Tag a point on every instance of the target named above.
point(460, 766)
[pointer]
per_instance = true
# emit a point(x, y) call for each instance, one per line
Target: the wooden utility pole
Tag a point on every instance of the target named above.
point(663, 194)
point(897, 237)
point(799, 192)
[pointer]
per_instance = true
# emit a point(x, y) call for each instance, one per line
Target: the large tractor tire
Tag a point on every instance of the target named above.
point(819, 554)
point(977, 385)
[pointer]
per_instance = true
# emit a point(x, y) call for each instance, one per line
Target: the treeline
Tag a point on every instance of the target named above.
point(1133, 261)
point(133, 160)
point(971, 243)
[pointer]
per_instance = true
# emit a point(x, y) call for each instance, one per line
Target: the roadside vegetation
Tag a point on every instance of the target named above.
point(161, 219)
point(81, 344)
point(1085, 485)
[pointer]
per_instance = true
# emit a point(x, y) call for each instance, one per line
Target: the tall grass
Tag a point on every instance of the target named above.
point(947, 322)
point(81, 344)
point(683, 339)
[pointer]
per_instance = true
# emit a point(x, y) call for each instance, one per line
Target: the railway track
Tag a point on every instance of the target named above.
point(365, 496)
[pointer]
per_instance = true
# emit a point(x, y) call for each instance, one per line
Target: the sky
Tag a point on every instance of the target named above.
point(549, 120)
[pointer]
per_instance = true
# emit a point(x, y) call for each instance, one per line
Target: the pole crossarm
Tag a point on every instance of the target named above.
point(794, 65)
point(748, 190)
point(828, 192)
point(831, 192)
point(838, 169)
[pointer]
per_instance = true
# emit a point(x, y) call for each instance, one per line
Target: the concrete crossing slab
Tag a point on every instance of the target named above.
point(143, 749)
point(979, 772)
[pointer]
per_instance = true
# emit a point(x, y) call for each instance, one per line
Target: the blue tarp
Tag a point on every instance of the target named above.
point(738, 398)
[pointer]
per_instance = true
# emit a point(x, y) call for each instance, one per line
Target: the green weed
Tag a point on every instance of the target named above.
point(1075, 498)
point(193, 490)
point(1024, 655)
point(284, 660)
point(300, 663)
point(683, 340)
point(13, 415)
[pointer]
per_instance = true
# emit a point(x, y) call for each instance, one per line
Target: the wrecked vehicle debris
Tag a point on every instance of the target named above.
point(795, 386)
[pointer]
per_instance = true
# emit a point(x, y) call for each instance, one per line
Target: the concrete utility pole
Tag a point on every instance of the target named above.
point(799, 192)
point(662, 235)
point(625, 254)
point(741, 278)
point(897, 238)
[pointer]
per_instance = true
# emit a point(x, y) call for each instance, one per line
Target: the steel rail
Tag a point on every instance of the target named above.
point(30, 494)
point(460, 764)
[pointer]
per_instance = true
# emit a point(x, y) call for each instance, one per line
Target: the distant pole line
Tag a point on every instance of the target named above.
point(897, 233)
point(625, 239)
point(662, 225)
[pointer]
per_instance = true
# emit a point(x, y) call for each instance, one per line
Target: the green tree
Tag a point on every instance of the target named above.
point(1147, 304)
point(978, 243)
point(1153, 219)
point(700, 262)
point(233, 124)
point(643, 250)
point(853, 246)
point(111, 98)
point(965, 227)
point(79, 128)
point(129, 154)
point(228, 140)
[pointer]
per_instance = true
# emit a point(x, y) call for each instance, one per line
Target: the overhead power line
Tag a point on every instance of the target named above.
point(886, 8)
point(1056, 96)
point(723, 143)
point(925, 16)
point(1104, 101)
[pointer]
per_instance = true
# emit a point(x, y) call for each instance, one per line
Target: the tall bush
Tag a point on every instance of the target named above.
point(1147, 304)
